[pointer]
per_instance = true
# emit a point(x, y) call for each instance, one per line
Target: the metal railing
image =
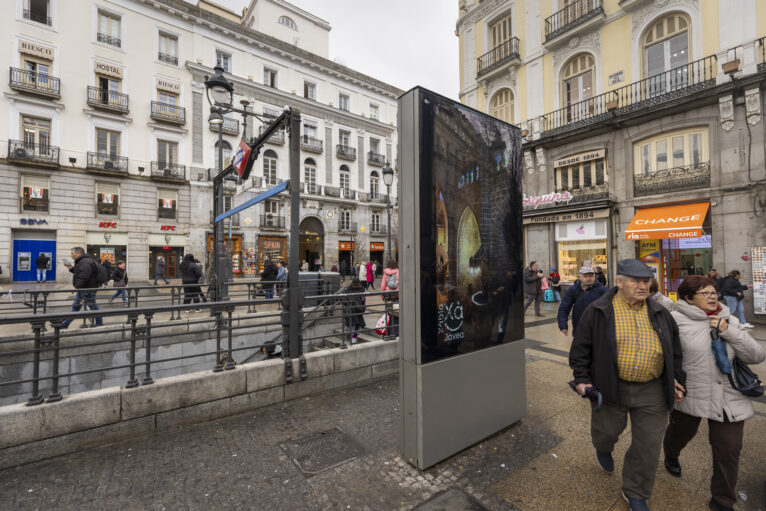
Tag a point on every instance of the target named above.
point(675, 83)
point(374, 158)
point(345, 152)
point(270, 221)
point(229, 126)
point(35, 82)
point(311, 144)
point(347, 227)
point(278, 138)
point(20, 150)
point(311, 188)
point(166, 57)
point(497, 56)
point(168, 170)
point(36, 16)
point(105, 161)
point(762, 61)
point(104, 38)
point(574, 14)
point(108, 99)
point(672, 180)
point(168, 112)
point(378, 229)
point(346, 193)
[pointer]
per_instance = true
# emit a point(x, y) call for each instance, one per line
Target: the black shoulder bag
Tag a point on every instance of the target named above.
point(744, 380)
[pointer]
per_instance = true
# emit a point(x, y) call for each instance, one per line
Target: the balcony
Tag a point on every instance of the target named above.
point(378, 230)
point(311, 188)
point(345, 152)
point(497, 57)
point(573, 19)
point(164, 171)
point(107, 100)
point(35, 83)
point(26, 152)
point(107, 164)
point(168, 113)
point(272, 221)
point(332, 191)
point(672, 180)
point(762, 61)
point(345, 193)
point(112, 41)
point(37, 17)
point(311, 144)
point(234, 219)
point(230, 126)
point(377, 159)
point(347, 227)
point(645, 94)
point(167, 58)
point(278, 138)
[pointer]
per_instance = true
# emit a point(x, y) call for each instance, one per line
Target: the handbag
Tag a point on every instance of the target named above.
point(745, 380)
point(383, 322)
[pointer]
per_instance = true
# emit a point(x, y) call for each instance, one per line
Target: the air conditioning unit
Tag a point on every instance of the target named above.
point(19, 152)
point(108, 164)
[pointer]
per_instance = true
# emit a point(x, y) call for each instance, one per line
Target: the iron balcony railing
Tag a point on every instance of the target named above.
point(672, 180)
point(20, 150)
point(345, 193)
point(168, 170)
point(347, 227)
point(39, 18)
point(38, 83)
point(104, 161)
point(113, 41)
point(107, 99)
point(374, 158)
point(166, 57)
point(229, 126)
point(378, 229)
point(311, 188)
point(574, 14)
point(497, 56)
point(278, 138)
point(675, 83)
point(168, 112)
point(762, 62)
point(271, 221)
point(345, 152)
point(311, 144)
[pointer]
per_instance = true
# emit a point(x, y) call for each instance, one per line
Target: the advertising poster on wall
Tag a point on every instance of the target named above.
point(649, 253)
point(107, 254)
point(758, 259)
point(471, 243)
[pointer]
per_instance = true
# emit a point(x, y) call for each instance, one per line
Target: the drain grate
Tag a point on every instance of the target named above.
point(322, 451)
point(451, 500)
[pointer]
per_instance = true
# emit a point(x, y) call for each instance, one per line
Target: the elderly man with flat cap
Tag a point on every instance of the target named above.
point(627, 346)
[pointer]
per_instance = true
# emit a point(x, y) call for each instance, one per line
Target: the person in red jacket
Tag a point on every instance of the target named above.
point(370, 275)
point(555, 279)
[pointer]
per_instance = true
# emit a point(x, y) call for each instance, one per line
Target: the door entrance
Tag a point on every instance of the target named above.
point(25, 253)
point(173, 257)
point(311, 247)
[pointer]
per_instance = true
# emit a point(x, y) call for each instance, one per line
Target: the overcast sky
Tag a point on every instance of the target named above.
point(401, 42)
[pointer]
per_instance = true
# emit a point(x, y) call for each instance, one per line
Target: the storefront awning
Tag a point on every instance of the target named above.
point(669, 222)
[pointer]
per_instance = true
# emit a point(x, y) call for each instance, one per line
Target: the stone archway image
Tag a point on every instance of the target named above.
point(468, 243)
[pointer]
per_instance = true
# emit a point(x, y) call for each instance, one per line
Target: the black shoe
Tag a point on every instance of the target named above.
point(673, 467)
point(605, 461)
point(635, 504)
point(715, 506)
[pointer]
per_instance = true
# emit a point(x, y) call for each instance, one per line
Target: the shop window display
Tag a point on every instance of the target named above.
point(574, 254)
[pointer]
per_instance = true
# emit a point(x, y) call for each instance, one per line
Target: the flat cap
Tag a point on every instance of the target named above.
point(634, 268)
point(586, 269)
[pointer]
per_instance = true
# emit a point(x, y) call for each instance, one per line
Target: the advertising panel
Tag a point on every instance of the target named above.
point(759, 279)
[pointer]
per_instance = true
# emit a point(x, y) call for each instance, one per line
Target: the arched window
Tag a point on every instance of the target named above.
point(502, 105)
point(374, 180)
point(310, 176)
point(270, 168)
point(665, 48)
point(288, 22)
point(345, 181)
point(226, 154)
point(577, 86)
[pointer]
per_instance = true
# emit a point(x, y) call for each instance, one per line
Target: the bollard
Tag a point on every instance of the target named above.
point(36, 398)
point(148, 350)
point(55, 395)
point(132, 382)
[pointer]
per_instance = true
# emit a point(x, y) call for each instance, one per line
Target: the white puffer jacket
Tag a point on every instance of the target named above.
point(709, 393)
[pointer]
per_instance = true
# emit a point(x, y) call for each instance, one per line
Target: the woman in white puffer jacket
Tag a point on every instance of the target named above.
point(709, 393)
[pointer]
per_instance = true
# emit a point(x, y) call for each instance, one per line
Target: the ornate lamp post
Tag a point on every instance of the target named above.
point(388, 179)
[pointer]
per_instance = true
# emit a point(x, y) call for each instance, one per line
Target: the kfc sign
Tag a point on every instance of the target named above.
point(167, 227)
point(108, 225)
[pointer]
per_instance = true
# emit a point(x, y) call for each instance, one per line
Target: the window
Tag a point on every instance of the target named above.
point(343, 101)
point(577, 87)
point(501, 33)
point(502, 105)
point(270, 168)
point(36, 72)
point(168, 49)
point(671, 150)
point(38, 10)
point(375, 224)
point(345, 181)
point(310, 91)
point(583, 175)
point(271, 207)
point(167, 154)
point(109, 90)
point(107, 199)
point(666, 48)
point(289, 23)
point(167, 206)
point(269, 77)
point(107, 143)
point(168, 102)
point(374, 112)
point(375, 145)
point(35, 193)
point(310, 129)
point(226, 203)
point(108, 28)
point(344, 221)
point(226, 154)
point(310, 176)
point(36, 136)
point(374, 182)
point(344, 138)
point(224, 60)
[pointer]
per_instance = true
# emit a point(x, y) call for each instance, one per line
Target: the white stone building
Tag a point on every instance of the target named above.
point(107, 144)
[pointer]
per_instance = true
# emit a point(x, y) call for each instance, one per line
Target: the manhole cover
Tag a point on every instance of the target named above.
point(451, 500)
point(322, 451)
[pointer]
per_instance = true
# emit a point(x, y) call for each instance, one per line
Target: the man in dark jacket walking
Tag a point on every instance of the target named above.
point(533, 283)
point(628, 348)
point(585, 291)
point(84, 276)
point(268, 276)
point(41, 263)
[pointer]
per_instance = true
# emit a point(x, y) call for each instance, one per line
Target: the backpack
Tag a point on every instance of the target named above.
point(555, 280)
point(102, 275)
point(392, 281)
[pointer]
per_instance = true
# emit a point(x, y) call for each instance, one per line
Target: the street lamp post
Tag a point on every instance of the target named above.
point(388, 179)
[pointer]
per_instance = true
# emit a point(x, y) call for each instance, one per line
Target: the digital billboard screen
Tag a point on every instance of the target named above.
point(470, 228)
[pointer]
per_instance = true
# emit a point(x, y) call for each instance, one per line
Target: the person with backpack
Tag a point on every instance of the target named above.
point(87, 273)
point(106, 264)
point(585, 291)
point(533, 283)
point(555, 280)
point(202, 280)
point(268, 276)
point(120, 277)
point(190, 275)
point(281, 276)
point(353, 309)
point(391, 283)
point(41, 263)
